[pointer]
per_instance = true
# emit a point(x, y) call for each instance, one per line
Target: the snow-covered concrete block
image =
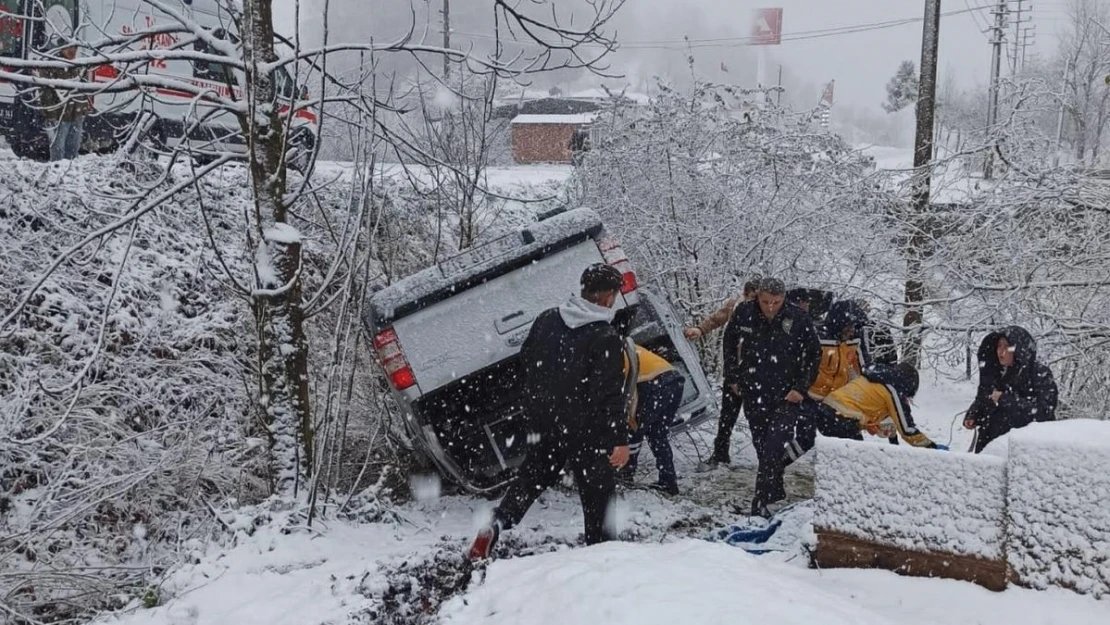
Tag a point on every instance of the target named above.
point(1059, 505)
point(919, 500)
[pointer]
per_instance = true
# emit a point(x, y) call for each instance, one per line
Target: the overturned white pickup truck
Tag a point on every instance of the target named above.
point(448, 337)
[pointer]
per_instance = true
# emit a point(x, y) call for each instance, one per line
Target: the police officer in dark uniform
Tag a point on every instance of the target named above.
point(772, 353)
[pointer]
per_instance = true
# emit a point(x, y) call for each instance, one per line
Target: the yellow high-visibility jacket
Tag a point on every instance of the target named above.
point(878, 409)
point(652, 365)
point(640, 365)
point(841, 362)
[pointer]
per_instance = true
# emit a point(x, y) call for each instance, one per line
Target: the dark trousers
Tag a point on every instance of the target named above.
point(819, 418)
point(995, 421)
point(772, 423)
point(542, 468)
point(814, 419)
point(805, 432)
point(657, 407)
point(730, 412)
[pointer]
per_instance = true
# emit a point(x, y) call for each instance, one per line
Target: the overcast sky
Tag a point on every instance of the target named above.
point(861, 62)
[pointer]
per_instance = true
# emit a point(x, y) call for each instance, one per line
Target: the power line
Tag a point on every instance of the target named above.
point(683, 44)
point(983, 26)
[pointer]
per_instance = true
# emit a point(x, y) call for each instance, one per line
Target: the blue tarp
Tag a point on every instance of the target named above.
point(759, 536)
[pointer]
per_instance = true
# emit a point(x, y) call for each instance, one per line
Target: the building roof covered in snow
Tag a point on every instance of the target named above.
point(580, 118)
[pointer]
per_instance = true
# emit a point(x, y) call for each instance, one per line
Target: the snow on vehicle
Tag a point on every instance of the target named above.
point(28, 27)
point(448, 338)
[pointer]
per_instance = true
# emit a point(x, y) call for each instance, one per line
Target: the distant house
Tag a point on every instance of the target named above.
point(547, 138)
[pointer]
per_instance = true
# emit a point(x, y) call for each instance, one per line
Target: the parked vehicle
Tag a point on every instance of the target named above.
point(448, 338)
point(27, 28)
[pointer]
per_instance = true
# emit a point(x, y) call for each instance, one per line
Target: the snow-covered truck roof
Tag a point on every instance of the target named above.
point(480, 264)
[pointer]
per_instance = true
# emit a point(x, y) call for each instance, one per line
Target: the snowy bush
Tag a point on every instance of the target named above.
point(706, 188)
point(1059, 521)
point(124, 401)
point(916, 499)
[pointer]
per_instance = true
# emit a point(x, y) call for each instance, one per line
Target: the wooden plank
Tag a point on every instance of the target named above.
point(837, 550)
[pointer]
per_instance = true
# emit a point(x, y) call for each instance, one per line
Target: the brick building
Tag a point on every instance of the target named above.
point(546, 138)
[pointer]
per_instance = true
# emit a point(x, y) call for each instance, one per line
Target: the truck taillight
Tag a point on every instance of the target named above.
point(393, 359)
point(614, 255)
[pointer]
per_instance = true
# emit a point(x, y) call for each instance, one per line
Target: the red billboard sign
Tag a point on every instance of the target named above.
point(767, 27)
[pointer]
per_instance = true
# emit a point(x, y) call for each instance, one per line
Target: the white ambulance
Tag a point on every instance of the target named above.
point(29, 27)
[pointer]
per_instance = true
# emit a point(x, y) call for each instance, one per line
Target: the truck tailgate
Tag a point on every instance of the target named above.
point(485, 324)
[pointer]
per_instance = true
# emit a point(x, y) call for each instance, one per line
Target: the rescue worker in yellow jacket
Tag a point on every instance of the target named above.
point(876, 402)
point(843, 359)
point(654, 400)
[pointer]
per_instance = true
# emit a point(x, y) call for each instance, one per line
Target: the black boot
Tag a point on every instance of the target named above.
point(671, 488)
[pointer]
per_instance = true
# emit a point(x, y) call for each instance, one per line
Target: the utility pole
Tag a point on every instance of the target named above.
point(1021, 36)
point(917, 251)
point(446, 37)
point(778, 103)
point(997, 37)
point(1028, 38)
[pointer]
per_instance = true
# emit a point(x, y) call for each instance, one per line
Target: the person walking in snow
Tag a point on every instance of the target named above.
point(570, 367)
point(876, 402)
point(771, 354)
point(658, 395)
point(63, 112)
point(1015, 389)
point(731, 403)
point(843, 359)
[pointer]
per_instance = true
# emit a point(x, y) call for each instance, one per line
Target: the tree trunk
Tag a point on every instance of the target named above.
point(278, 311)
point(917, 249)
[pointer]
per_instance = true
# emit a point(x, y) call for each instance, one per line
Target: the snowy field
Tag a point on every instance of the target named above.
point(495, 177)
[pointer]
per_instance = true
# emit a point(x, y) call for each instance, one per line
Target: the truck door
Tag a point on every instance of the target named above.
point(657, 327)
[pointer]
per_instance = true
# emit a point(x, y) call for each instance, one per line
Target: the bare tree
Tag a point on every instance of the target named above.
point(1085, 50)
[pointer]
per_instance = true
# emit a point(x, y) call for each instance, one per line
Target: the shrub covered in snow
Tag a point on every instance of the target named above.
point(916, 499)
point(1059, 516)
point(123, 410)
point(705, 188)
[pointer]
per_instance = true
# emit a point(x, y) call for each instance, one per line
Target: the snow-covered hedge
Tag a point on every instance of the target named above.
point(1059, 505)
point(124, 400)
point(1038, 501)
point(916, 499)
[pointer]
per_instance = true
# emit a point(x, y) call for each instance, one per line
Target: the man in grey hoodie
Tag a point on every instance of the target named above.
point(571, 368)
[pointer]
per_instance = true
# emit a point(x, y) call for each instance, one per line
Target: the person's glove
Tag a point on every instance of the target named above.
point(940, 447)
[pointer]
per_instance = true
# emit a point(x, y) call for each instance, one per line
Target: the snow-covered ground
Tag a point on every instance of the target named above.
point(495, 177)
point(667, 572)
point(693, 581)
